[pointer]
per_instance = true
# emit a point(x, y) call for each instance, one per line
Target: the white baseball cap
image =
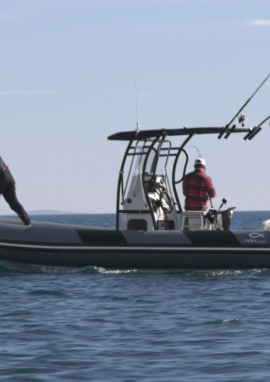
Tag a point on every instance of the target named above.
point(200, 162)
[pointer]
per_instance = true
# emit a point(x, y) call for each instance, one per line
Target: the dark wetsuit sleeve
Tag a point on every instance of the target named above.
point(8, 190)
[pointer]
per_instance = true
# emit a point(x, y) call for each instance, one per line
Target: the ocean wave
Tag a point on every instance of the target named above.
point(90, 270)
point(230, 320)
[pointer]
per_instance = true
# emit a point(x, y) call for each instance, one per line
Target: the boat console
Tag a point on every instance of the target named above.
point(147, 192)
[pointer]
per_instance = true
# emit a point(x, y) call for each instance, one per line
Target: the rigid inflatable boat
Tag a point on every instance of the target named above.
point(152, 230)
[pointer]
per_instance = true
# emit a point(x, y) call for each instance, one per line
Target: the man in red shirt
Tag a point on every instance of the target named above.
point(198, 187)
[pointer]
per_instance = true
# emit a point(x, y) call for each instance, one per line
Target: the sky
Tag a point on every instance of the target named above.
point(67, 83)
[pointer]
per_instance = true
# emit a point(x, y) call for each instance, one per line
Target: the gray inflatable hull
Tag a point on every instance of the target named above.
point(57, 245)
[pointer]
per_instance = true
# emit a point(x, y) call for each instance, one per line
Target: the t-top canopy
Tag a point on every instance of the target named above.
point(144, 134)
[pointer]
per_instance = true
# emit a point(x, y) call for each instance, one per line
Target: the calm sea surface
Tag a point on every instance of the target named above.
point(102, 325)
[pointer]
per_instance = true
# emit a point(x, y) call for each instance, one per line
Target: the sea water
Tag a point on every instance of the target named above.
point(103, 325)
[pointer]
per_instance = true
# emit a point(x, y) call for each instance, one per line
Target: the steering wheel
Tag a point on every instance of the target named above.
point(165, 202)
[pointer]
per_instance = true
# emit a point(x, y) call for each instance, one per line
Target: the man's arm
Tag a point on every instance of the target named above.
point(210, 188)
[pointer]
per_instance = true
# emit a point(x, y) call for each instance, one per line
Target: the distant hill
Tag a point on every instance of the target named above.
point(52, 212)
point(55, 212)
point(45, 212)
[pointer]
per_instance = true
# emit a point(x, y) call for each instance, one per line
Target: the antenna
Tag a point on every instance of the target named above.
point(136, 99)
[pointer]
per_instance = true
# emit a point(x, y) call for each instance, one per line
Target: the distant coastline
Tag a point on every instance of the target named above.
point(53, 212)
point(56, 212)
point(48, 212)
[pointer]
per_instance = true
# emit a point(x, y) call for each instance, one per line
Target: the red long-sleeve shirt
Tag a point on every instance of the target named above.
point(197, 187)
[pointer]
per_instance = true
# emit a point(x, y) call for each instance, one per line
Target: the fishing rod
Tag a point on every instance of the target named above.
point(239, 111)
point(251, 134)
point(196, 148)
point(266, 119)
point(210, 200)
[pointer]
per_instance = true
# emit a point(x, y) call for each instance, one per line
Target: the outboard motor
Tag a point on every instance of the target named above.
point(219, 220)
point(226, 217)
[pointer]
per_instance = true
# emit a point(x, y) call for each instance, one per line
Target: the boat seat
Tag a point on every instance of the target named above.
point(192, 220)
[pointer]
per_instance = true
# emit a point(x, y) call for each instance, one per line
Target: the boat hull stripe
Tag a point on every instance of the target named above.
point(129, 249)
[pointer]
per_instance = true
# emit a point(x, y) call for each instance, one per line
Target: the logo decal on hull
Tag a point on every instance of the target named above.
point(256, 238)
point(256, 235)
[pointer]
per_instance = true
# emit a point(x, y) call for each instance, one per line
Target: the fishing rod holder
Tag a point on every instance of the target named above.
point(242, 118)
